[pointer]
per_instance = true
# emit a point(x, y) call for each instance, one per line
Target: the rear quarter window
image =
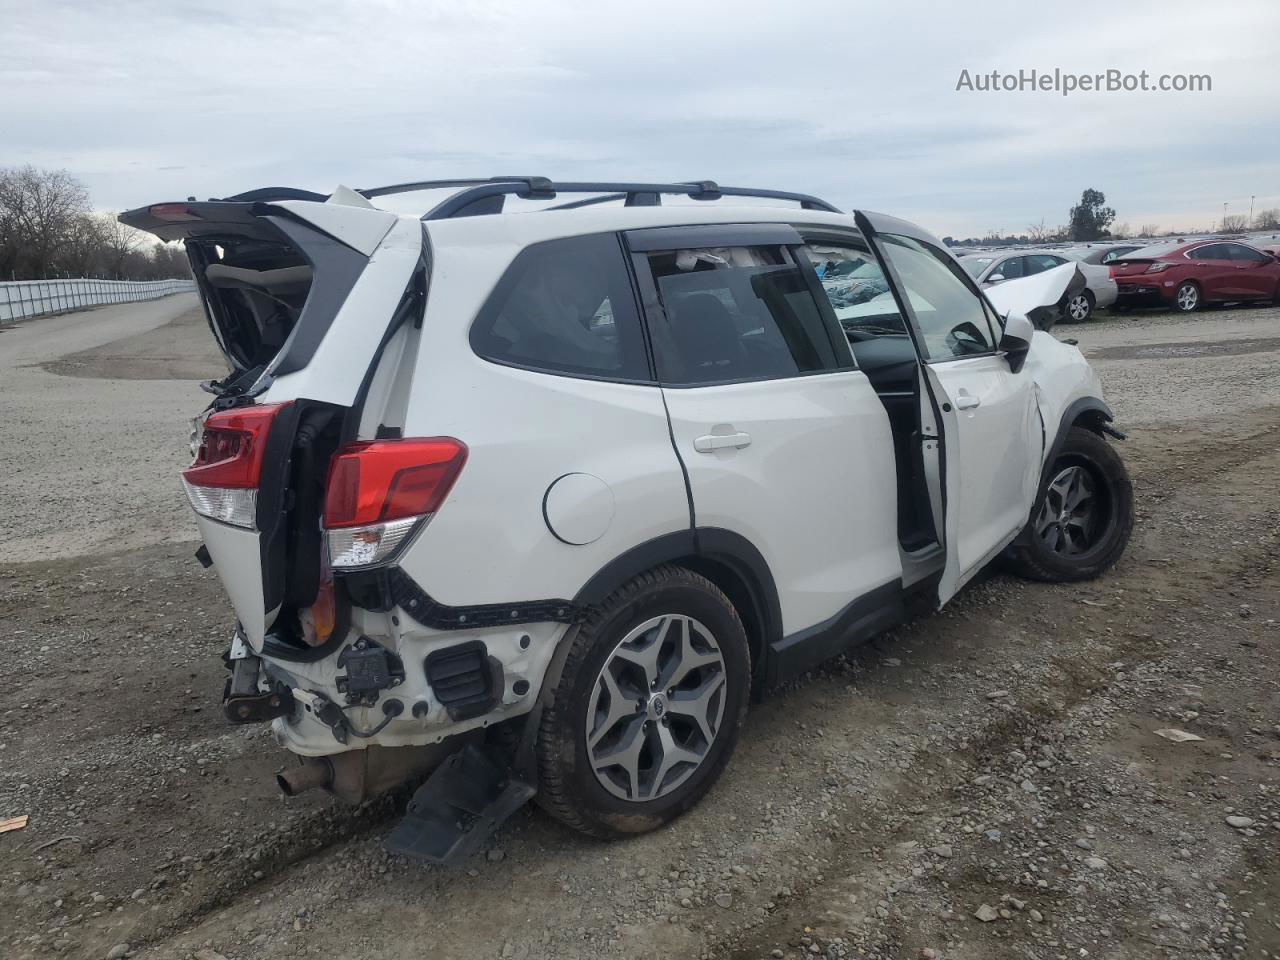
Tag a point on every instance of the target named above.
point(565, 306)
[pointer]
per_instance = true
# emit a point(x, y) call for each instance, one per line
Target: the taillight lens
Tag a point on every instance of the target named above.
point(222, 483)
point(378, 493)
point(1160, 266)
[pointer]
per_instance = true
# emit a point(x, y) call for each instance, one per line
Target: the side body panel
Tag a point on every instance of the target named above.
point(525, 430)
point(1062, 376)
point(813, 489)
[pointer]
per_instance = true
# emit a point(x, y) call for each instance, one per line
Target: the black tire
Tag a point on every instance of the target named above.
point(1087, 306)
point(1188, 297)
point(568, 787)
point(1034, 557)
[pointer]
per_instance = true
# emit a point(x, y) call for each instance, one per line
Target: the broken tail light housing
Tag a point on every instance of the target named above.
point(1160, 266)
point(222, 483)
point(380, 492)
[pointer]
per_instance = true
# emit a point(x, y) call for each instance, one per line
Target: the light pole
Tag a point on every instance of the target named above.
point(1223, 228)
point(1251, 209)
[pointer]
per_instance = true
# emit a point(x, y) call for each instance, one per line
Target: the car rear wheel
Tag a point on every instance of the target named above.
point(1187, 298)
point(647, 709)
point(1080, 307)
point(1083, 520)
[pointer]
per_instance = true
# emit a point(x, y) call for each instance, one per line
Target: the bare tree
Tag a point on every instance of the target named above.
point(1267, 220)
point(1149, 230)
point(1121, 231)
point(1038, 232)
point(118, 242)
point(42, 207)
point(1235, 223)
point(48, 228)
point(80, 254)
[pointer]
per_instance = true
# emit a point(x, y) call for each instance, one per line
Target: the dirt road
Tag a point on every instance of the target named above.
point(985, 783)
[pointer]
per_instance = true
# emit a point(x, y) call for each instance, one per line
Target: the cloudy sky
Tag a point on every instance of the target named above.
point(855, 101)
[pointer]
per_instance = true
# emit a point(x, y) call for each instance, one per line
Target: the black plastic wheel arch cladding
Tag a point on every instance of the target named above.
point(698, 549)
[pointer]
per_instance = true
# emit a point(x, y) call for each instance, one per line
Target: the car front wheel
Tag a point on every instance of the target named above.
point(647, 709)
point(1084, 518)
point(1187, 297)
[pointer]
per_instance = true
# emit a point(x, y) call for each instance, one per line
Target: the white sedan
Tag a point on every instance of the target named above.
point(990, 269)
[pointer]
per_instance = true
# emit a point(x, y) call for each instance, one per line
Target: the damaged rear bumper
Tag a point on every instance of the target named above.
point(416, 687)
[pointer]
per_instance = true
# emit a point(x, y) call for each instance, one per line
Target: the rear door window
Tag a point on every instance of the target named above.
point(566, 306)
point(738, 313)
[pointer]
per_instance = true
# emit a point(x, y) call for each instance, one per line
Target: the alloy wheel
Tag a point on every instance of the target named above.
point(1069, 519)
point(1188, 297)
point(656, 708)
point(1078, 308)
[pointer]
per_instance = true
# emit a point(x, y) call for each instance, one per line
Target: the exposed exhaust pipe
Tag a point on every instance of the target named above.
point(313, 772)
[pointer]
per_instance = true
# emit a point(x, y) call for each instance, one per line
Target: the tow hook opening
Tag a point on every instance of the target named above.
point(313, 772)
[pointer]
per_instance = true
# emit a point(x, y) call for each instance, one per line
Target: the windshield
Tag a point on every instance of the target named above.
point(975, 265)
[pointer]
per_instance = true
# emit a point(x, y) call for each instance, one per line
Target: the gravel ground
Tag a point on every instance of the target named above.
point(983, 783)
point(99, 457)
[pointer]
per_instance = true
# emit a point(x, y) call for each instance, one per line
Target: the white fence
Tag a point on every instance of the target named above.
point(31, 298)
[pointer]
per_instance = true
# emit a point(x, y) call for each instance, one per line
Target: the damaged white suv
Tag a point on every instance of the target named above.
point(532, 501)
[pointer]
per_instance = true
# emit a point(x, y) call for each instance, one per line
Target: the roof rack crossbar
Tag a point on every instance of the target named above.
point(467, 201)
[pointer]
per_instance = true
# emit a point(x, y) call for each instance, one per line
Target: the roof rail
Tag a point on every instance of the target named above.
point(489, 196)
point(371, 192)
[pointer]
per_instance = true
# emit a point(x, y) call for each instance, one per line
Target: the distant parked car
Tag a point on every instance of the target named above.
point(1185, 276)
point(1099, 253)
point(992, 268)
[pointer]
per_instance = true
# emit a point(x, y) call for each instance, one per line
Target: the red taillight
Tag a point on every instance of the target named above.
point(231, 447)
point(222, 484)
point(172, 212)
point(384, 480)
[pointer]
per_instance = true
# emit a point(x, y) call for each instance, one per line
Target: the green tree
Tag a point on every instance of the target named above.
point(1089, 218)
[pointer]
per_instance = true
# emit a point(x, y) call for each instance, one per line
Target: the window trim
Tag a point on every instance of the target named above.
point(650, 380)
point(652, 307)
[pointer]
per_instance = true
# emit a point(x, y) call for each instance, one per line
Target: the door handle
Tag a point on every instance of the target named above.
point(967, 401)
point(715, 441)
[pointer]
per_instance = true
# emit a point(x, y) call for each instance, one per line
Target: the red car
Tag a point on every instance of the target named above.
point(1186, 275)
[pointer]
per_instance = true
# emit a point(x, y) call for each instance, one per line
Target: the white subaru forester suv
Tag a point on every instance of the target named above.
point(516, 503)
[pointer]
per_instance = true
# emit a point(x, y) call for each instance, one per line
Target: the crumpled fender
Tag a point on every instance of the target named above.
point(1066, 387)
point(1040, 298)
